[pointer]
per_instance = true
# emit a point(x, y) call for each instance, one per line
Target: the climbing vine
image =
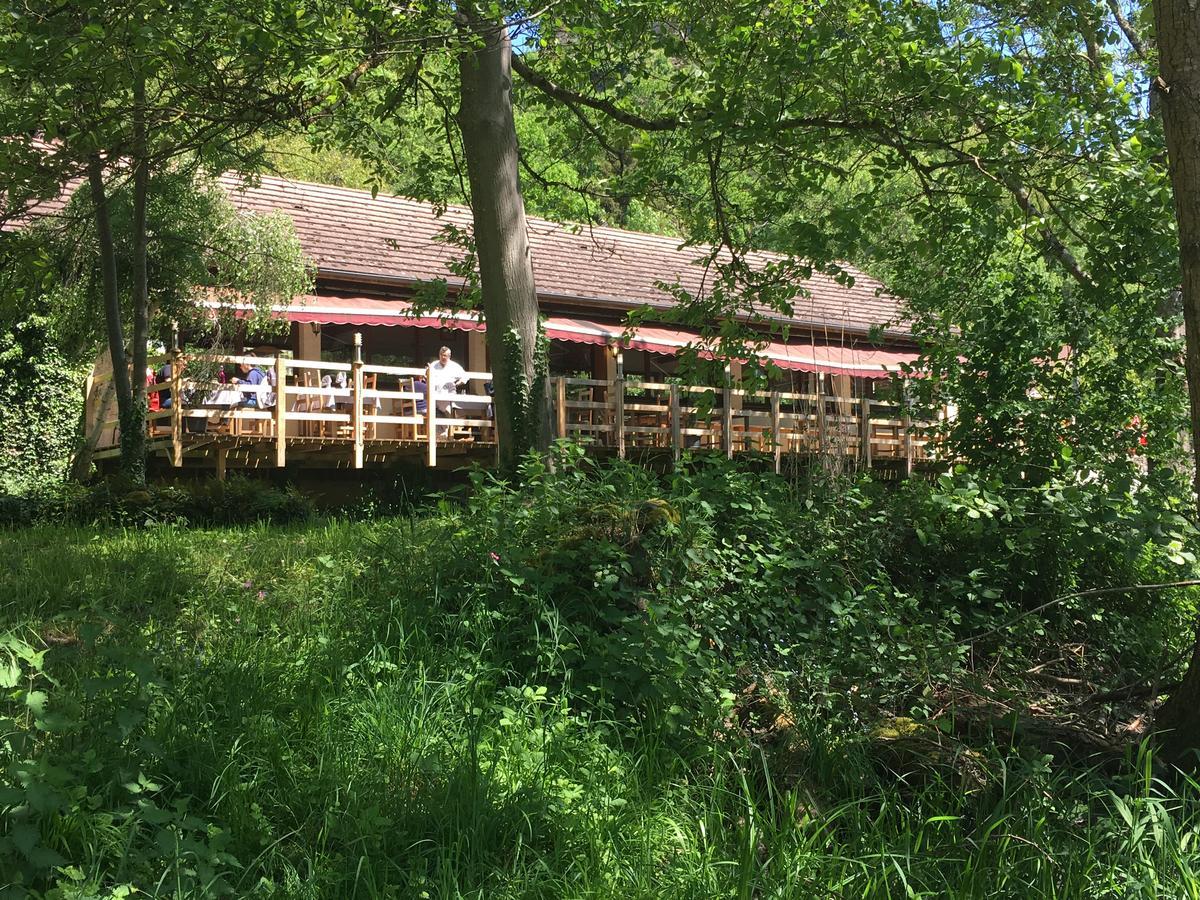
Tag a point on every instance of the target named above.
point(524, 393)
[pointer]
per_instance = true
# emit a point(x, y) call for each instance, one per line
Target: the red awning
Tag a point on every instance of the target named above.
point(860, 362)
point(373, 311)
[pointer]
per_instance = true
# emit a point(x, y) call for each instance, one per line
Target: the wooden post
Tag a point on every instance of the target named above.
point(222, 453)
point(822, 427)
point(87, 400)
point(733, 377)
point(280, 411)
point(676, 426)
point(176, 409)
point(431, 419)
point(864, 432)
point(561, 407)
point(906, 423)
point(356, 400)
point(619, 424)
point(727, 421)
point(776, 436)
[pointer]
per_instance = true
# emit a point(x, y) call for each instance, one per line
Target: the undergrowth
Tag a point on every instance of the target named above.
point(603, 682)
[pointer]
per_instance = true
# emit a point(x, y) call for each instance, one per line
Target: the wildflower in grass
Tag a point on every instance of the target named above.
point(262, 595)
point(248, 584)
point(495, 556)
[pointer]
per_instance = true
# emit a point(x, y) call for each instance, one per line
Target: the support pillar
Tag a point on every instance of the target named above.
point(308, 340)
point(476, 359)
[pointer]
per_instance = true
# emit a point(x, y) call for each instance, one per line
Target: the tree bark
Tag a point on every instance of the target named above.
point(114, 327)
point(515, 345)
point(1177, 26)
point(134, 437)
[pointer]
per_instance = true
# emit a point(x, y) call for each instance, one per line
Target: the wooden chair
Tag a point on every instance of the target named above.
point(408, 407)
point(346, 430)
point(310, 403)
point(370, 405)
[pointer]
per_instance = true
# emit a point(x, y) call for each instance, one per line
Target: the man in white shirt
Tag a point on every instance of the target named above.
point(447, 376)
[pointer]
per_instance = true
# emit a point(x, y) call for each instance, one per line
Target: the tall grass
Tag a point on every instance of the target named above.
point(343, 710)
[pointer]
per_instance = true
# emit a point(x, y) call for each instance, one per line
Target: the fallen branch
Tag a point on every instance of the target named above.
point(1095, 592)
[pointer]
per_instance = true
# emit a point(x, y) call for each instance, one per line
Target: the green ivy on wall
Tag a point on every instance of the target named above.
point(41, 394)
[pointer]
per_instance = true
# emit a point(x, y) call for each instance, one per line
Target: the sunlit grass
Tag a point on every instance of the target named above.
point(324, 711)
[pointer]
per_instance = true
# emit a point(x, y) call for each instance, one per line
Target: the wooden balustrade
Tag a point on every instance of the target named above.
point(320, 407)
point(688, 417)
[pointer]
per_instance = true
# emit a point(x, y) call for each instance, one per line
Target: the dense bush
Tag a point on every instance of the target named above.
point(600, 682)
point(855, 589)
point(235, 501)
point(41, 402)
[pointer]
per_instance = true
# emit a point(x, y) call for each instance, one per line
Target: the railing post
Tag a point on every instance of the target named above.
point(864, 432)
point(356, 400)
point(431, 419)
point(906, 423)
point(727, 424)
point(280, 411)
point(176, 409)
point(560, 400)
point(776, 437)
point(222, 455)
point(822, 426)
point(619, 424)
point(676, 426)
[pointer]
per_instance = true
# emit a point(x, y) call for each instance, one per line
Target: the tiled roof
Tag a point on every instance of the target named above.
point(351, 237)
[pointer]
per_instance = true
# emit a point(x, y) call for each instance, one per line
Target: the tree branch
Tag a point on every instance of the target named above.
point(1127, 29)
point(610, 109)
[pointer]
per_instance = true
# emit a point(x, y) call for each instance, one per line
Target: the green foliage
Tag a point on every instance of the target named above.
point(203, 253)
point(40, 408)
point(602, 682)
point(114, 501)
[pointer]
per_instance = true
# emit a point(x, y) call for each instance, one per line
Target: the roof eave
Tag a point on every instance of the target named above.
point(352, 277)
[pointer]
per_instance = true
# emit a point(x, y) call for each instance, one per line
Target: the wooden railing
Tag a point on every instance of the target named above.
point(626, 414)
point(306, 402)
point(318, 404)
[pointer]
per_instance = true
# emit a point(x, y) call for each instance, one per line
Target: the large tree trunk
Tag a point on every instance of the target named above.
point(133, 447)
point(515, 349)
point(1177, 28)
point(131, 418)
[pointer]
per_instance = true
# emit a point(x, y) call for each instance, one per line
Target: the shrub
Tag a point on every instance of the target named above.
point(114, 502)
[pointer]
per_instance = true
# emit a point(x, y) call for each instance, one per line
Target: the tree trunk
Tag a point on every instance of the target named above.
point(132, 424)
point(515, 347)
point(1177, 27)
point(134, 437)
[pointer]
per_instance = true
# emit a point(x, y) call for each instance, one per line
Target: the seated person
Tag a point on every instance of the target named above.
point(251, 377)
point(163, 376)
point(447, 375)
point(419, 386)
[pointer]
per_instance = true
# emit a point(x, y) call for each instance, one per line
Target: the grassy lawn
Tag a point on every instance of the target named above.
point(388, 709)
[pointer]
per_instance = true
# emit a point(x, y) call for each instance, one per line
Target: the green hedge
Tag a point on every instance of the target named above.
point(233, 502)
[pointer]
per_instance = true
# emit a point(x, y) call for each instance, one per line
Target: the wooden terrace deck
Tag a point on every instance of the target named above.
point(375, 419)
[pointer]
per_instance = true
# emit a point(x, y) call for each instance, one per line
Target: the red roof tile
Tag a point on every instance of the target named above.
point(351, 237)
